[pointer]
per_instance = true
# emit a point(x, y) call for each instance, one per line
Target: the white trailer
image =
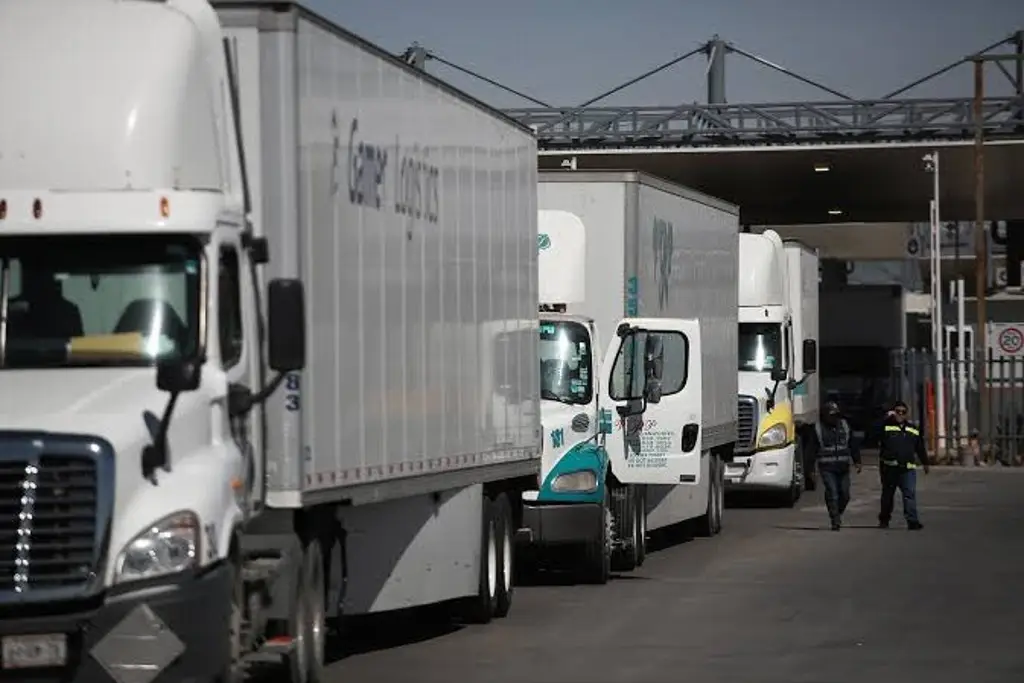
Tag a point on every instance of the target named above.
point(261, 227)
point(661, 281)
point(778, 354)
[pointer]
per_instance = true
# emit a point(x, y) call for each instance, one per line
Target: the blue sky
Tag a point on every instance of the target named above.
point(566, 51)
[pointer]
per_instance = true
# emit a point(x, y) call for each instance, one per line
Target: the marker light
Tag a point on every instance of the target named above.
point(3, 209)
point(165, 208)
point(822, 168)
point(835, 212)
point(37, 208)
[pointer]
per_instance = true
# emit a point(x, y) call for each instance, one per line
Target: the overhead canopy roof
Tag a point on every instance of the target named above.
point(867, 183)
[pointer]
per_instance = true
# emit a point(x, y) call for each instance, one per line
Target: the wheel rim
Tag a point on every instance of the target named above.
point(492, 562)
point(506, 556)
point(299, 638)
point(317, 629)
point(642, 523)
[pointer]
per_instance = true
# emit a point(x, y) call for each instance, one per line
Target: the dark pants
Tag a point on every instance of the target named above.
point(906, 481)
point(836, 480)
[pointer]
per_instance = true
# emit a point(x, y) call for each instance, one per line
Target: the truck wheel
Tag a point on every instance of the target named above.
point(641, 523)
point(235, 672)
point(309, 624)
point(506, 555)
point(710, 522)
point(627, 529)
point(597, 554)
point(481, 608)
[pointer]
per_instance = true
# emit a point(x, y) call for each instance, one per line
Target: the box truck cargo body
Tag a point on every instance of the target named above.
point(778, 383)
point(294, 375)
point(666, 255)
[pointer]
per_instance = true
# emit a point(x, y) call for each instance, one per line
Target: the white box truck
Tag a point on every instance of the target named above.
point(778, 359)
point(224, 412)
point(661, 282)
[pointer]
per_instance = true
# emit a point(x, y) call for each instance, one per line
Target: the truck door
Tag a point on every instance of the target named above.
point(651, 401)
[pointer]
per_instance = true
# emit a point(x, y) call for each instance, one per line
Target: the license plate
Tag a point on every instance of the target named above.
point(35, 652)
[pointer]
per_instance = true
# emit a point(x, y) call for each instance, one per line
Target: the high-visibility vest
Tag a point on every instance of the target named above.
point(838, 449)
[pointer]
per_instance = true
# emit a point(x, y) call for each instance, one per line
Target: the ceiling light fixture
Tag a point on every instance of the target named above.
point(822, 168)
point(835, 212)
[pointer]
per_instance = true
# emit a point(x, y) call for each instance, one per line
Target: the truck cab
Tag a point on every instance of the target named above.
point(775, 364)
point(134, 351)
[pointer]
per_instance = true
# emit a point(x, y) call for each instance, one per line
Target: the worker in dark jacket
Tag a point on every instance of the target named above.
point(834, 451)
point(901, 449)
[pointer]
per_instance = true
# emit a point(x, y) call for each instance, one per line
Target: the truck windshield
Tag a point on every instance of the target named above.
point(760, 346)
point(565, 363)
point(97, 301)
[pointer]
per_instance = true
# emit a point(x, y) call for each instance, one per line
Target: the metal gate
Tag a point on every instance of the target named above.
point(971, 411)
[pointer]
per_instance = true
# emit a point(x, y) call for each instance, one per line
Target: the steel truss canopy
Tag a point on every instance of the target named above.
point(836, 160)
point(840, 120)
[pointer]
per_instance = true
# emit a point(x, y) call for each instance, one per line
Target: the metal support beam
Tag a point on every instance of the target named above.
point(716, 50)
point(980, 243)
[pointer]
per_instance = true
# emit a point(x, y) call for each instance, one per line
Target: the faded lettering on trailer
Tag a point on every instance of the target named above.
point(416, 181)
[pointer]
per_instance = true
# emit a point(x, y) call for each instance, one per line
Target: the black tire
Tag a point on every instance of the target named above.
point(481, 608)
point(506, 555)
point(627, 526)
point(597, 553)
point(710, 523)
point(641, 522)
point(235, 672)
point(307, 625)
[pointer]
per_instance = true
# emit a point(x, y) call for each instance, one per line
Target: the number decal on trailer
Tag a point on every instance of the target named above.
point(291, 396)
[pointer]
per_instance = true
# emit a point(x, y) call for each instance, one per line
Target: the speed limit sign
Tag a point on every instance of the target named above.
point(1011, 340)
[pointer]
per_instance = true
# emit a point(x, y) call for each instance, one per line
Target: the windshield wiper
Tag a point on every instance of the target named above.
point(552, 396)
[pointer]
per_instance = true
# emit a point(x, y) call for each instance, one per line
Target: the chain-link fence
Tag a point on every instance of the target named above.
point(971, 410)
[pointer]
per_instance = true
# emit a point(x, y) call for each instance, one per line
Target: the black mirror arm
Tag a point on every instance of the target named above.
point(155, 454)
point(259, 397)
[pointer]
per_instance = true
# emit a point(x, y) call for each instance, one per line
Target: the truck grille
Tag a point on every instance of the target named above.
point(746, 423)
point(55, 503)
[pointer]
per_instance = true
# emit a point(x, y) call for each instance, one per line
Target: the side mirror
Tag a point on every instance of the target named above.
point(176, 376)
point(632, 408)
point(654, 357)
point(810, 353)
point(652, 391)
point(286, 318)
point(779, 374)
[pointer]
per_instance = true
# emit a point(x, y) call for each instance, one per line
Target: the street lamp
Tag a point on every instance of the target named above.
point(931, 165)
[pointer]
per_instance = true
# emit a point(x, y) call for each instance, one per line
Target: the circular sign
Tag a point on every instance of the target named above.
point(543, 241)
point(1011, 340)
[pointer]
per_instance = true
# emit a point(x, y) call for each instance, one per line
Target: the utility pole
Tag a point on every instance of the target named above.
point(931, 161)
point(980, 243)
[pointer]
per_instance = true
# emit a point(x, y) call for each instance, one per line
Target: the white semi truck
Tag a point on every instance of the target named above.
point(227, 235)
point(660, 280)
point(778, 359)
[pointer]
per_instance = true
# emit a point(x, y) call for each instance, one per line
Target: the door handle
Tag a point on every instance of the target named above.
point(690, 433)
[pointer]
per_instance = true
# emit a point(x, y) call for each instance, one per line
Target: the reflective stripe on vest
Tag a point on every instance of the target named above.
point(908, 429)
point(896, 463)
point(834, 452)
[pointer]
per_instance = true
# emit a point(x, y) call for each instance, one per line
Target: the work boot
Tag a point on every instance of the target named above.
point(914, 526)
point(883, 524)
point(836, 524)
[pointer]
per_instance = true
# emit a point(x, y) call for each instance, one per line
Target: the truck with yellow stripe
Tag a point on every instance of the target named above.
point(778, 357)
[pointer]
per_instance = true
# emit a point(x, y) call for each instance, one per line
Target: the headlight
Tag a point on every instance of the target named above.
point(773, 436)
point(583, 481)
point(170, 545)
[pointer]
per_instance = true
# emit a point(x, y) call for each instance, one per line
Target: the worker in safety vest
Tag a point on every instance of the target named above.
point(902, 447)
point(834, 451)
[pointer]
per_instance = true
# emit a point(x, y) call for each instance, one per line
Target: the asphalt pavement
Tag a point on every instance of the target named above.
point(778, 597)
